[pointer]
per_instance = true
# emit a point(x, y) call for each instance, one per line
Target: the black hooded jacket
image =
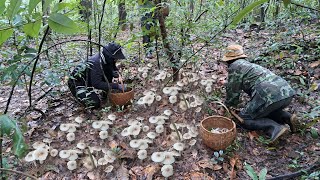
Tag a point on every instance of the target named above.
point(93, 73)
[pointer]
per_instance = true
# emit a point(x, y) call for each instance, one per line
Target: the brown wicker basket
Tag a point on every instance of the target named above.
point(121, 98)
point(217, 141)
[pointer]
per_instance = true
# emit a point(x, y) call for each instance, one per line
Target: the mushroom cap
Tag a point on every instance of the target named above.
point(175, 153)
point(135, 143)
point(71, 136)
point(139, 118)
point(180, 83)
point(141, 101)
point(167, 170)
point(147, 92)
point(40, 154)
point(143, 144)
point(198, 109)
point(148, 99)
point(38, 144)
point(145, 128)
point(53, 152)
point(64, 154)
point(102, 161)
point(178, 146)
point(153, 119)
point(112, 117)
point(152, 135)
point(79, 119)
point(142, 154)
point(81, 145)
point(108, 169)
point(73, 155)
point(158, 98)
point(192, 142)
point(159, 129)
point(64, 127)
point(29, 157)
point(125, 132)
point(173, 99)
point(186, 136)
point(104, 126)
point(103, 134)
point(167, 112)
point(193, 104)
point(166, 90)
point(134, 122)
point(96, 124)
point(208, 89)
point(158, 156)
point(169, 158)
point(134, 130)
point(72, 165)
point(72, 129)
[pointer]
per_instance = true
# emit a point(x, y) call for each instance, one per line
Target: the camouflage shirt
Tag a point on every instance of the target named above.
point(252, 79)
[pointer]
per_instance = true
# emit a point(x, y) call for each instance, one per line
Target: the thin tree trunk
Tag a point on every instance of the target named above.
point(122, 15)
point(166, 45)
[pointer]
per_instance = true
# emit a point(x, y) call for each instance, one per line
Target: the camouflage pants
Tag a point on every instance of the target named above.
point(257, 108)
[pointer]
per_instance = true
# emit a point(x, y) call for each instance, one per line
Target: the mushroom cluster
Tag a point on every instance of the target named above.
point(166, 158)
point(40, 152)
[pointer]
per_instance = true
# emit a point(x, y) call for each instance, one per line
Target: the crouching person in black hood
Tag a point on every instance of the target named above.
point(96, 75)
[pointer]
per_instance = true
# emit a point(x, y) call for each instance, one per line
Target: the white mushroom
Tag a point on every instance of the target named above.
point(167, 112)
point(173, 99)
point(167, 90)
point(167, 170)
point(192, 142)
point(53, 152)
point(40, 154)
point(29, 157)
point(112, 117)
point(71, 136)
point(157, 156)
point(178, 146)
point(96, 124)
point(143, 144)
point(73, 155)
point(81, 145)
point(38, 144)
point(125, 132)
point(108, 169)
point(153, 119)
point(139, 118)
point(79, 119)
point(141, 101)
point(152, 135)
point(186, 136)
point(135, 143)
point(134, 130)
point(64, 154)
point(102, 161)
point(159, 129)
point(148, 99)
point(72, 165)
point(104, 125)
point(158, 98)
point(64, 127)
point(208, 89)
point(145, 128)
point(142, 154)
point(169, 158)
point(103, 134)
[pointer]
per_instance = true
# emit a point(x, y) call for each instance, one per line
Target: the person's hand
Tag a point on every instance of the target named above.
point(115, 74)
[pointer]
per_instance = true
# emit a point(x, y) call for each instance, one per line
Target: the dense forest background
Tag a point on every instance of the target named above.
point(41, 41)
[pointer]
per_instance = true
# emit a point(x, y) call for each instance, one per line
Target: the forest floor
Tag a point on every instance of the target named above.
point(291, 54)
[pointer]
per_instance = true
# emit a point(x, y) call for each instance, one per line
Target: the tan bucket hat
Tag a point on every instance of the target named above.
point(233, 52)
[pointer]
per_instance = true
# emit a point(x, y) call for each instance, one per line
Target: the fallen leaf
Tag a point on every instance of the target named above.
point(217, 167)
point(314, 64)
point(122, 172)
point(233, 162)
point(198, 175)
point(297, 72)
point(91, 175)
point(113, 144)
point(252, 135)
point(149, 171)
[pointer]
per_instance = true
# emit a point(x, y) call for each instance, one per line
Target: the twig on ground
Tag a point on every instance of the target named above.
point(18, 172)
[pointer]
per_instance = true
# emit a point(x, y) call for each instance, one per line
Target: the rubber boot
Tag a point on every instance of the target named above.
point(284, 117)
point(273, 128)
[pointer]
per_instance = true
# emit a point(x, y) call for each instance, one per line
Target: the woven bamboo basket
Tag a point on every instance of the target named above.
point(121, 98)
point(217, 141)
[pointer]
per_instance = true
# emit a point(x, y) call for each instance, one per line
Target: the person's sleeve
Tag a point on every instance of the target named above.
point(97, 77)
point(233, 88)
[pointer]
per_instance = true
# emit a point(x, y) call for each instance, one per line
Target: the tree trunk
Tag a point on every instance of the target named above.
point(122, 15)
point(166, 45)
point(85, 9)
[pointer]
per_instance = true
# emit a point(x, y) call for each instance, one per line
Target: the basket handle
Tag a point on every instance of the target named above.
point(121, 81)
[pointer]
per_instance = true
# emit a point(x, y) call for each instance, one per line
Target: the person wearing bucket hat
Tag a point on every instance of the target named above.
point(269, 93)
point(96, 74)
